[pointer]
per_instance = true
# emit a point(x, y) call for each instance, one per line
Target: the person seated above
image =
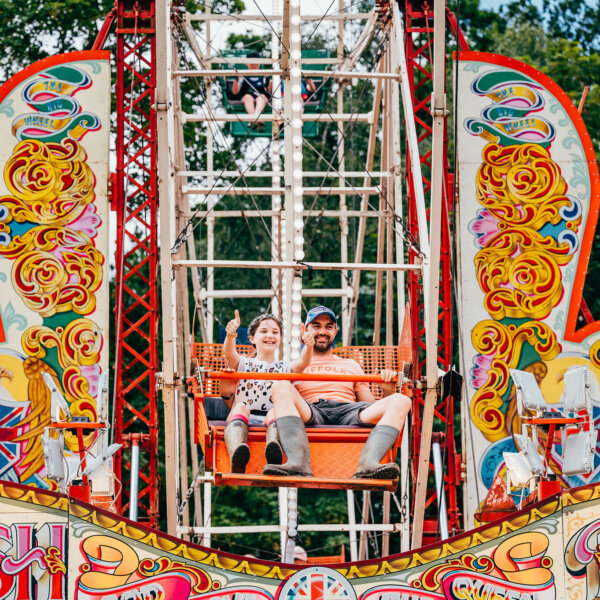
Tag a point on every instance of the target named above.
point(336, 403)
point(308, 89)
point(255, 90)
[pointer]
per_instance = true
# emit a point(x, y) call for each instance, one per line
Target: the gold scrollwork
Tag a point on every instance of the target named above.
point(78, 345)
point(55, 270)
point(505, 342)
point(518, 270)
point(50, 183)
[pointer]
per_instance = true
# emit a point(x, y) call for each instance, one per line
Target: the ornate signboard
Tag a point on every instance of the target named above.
point(54, 119)
point(529, 196)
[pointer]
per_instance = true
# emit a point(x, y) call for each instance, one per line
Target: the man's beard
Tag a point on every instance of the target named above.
point(323, 348)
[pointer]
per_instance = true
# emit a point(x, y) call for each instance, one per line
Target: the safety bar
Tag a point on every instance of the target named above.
point(296, 376)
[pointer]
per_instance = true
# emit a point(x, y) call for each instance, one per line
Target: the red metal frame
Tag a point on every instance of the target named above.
point(81, 491)
point(137, 258)
point(418, 42)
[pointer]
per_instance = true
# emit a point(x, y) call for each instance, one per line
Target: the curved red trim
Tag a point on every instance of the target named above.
point(51, 61)
point(571, 333)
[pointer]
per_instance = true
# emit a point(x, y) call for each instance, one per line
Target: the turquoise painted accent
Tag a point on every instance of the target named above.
point(96, 65)
point(6, 108)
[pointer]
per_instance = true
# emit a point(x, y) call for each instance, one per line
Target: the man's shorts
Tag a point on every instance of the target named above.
point(332, 412)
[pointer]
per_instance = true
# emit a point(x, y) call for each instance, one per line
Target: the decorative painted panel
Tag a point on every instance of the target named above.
point(54, 119)
point(546, 552)
point(529, 196)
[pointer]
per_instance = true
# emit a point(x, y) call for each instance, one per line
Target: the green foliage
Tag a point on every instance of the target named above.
point(32, 30)
point(574, 20)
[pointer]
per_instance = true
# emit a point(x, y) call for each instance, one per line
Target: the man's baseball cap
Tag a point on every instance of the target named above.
point(317, 311)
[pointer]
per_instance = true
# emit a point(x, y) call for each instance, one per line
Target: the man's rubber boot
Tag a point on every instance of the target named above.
point(380, 440)
point(236, 436)
point(294, 441)
point(273, 451)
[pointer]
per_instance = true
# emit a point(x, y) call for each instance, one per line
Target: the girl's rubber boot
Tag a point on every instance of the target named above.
point(236, 436)
point(294, 441)
point(380, 440)
point(273, 451)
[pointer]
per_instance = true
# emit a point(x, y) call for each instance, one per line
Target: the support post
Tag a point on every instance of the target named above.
point(432, 295)
point(166, 194)
point(352, 523)
point(135, 476)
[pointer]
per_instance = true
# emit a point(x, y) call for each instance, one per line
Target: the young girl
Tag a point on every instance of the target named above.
point(251, 403)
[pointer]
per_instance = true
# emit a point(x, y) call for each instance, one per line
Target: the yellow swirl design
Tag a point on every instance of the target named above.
point(507, 343)
point(50, 183)
point(56, 268)
point(77, 345)
point(518, 270)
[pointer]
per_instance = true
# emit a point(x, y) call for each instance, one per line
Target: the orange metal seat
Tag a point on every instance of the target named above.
point(334, 450)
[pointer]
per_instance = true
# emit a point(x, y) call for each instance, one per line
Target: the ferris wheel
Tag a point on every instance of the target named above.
point(313, 93)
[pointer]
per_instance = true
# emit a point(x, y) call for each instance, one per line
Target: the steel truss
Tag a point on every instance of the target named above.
point(136, 308)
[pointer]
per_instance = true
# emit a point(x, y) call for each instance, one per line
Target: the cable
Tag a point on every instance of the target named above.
point(405, 233)
point(318, 23)
point(188, 228)
point(272, 28)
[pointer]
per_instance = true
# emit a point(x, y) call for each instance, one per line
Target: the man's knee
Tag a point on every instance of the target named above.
point(398, 404)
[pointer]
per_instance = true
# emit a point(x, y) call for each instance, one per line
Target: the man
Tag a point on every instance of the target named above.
point(336, 403)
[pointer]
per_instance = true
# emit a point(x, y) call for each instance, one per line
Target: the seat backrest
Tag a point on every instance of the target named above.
point(372, 359)
point(211, 357)
point(576, 396)
point(529, 395)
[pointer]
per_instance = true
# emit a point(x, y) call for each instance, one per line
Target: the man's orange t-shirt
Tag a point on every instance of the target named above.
point(342, 391)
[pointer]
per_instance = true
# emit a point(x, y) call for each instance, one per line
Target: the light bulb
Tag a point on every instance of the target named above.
point(299, 255)
point(297, 123)
point(296, 106)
